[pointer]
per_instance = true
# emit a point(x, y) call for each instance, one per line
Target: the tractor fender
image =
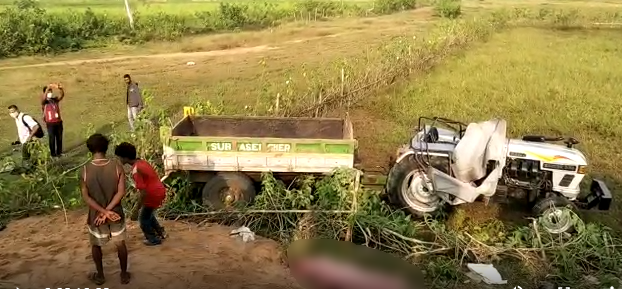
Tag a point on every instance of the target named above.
point(404, 155)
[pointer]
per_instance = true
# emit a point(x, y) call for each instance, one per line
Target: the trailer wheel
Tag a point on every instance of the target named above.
point(226, 189)
point(419, 201)
point(556, 214)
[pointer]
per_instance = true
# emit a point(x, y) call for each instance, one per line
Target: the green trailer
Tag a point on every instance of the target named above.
point(227, 154)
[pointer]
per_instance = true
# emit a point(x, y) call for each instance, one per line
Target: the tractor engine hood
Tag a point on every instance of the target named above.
point(545, 152)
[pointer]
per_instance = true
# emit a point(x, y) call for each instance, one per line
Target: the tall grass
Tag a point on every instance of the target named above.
point(26, 28)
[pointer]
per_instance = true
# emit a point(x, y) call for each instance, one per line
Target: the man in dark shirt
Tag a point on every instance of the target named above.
point(51, 116)
point(103, 187)
point(133, 100)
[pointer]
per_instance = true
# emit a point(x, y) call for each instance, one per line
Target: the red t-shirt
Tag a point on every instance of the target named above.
point(146, 178)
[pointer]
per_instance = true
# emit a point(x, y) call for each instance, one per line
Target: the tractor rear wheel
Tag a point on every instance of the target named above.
point(226, 189)
point(409, 187)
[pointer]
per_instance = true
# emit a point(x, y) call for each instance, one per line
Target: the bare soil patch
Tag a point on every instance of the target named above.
point(43, 252)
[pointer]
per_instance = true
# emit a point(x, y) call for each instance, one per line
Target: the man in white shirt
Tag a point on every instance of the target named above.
point(28, 130)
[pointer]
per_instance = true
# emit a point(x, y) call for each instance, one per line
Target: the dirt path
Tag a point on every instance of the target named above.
point(234, 51)
point(212, 53)
point(42, 252)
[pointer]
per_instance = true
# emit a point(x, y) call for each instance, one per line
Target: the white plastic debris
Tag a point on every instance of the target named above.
point(189, 63)
point(489, 273)
point(473, 277)
point(244, 232)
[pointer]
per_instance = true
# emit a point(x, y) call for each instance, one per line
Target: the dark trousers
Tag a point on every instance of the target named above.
point(55, 137)
point(150, 226)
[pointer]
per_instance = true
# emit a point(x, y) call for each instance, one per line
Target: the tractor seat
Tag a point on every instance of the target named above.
point(541, 138)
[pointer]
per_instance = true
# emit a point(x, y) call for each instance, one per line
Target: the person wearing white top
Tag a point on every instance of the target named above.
point(28, 130)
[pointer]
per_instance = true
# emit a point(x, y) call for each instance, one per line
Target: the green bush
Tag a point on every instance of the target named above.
point(26, 28)
point(390, 6)
point(448, 8)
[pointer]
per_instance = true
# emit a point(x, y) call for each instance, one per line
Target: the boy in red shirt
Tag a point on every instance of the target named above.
point(152, 193)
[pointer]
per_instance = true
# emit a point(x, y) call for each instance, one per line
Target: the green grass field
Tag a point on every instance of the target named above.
point(541, 81)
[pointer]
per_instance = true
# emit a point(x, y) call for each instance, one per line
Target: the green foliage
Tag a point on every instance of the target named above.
point(592, 249)
point(27, 28)
point(314, 7)
point(443, 269)
point(38, 186)
point(332, 207)
point(332, 194)
point(448, 8)
point(390, 6)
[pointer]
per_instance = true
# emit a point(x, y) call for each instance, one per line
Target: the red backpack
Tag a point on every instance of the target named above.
point(51, 112)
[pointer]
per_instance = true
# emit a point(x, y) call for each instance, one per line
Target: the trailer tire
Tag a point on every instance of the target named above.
point(225, 189)
point(546, 207)
point(406, 171)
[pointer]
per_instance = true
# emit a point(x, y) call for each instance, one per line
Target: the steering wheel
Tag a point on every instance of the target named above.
point(431, 136)
point(571, 141)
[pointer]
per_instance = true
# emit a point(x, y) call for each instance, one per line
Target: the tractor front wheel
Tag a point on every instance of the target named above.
point(556, 214)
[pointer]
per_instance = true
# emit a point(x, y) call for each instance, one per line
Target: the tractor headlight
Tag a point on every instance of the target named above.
point(582, 170)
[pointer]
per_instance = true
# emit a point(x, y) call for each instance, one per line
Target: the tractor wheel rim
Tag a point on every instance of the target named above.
point(228, 196)
point(557, 220)
point(415, 192)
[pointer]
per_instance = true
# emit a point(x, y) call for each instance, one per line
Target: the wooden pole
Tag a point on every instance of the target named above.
point(130, 18)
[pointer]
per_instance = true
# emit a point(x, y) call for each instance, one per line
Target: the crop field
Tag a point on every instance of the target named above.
point(182, 7)
point(547, 67)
